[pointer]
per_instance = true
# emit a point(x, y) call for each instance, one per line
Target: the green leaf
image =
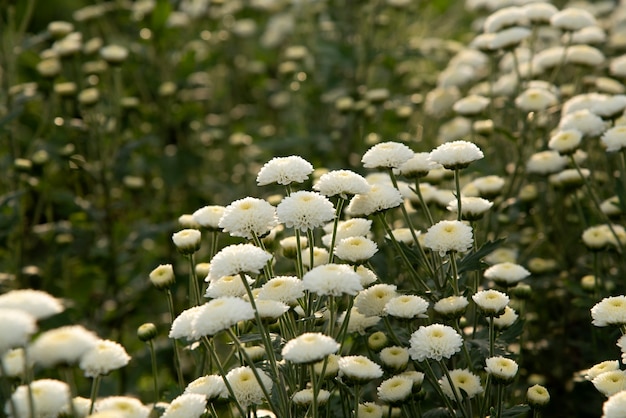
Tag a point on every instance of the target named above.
point(511, 333)
point(437, 413)
point(515, 411)
point(472, 261)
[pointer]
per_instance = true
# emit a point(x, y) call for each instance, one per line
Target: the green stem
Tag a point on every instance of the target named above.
point(155, 378)
point(6, 390)
point(177, 363)
point(435, 384)
point(315, 388)
point(492, 337)
point(457, 184)
point(95, 386)
point(333, 237)
point(194, 291)
point(455, 273)
point(423, 203)
point(458, 400)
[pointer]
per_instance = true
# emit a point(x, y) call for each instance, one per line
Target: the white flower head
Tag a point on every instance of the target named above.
point(381, 197)
point(219, 314)
point(64, 345)
point(372, 300)
point(395, 389)
point(227, 286)
point(162, 276)
point(16, 328)
point(418, 166)
point(239, 258)
point(309, 347)
point(359, 369)
point(387, 155)
point(320, 257)
point(305, 397)
point(395, 358)
point(506, 273)
point(602, 367)
point(572, 19)
point(546, 162)
point(286, 289)
point(182, 326)
point(332, 279)
point(466, 384)
point(248, 390)
point(614, 139)
point(586, 122)
point(407, 307)
point(209, 216)
point(502, 369)
point(609, 311)
point(471, 105)
point(305, 210)
point(565, 141)
point(451, 306)
point(615, 406)
point(103, 358)
point(491, 302)
point(210, 386)
point(537, 396)
point(611, 382)
point(37, 303)
point(472, 208)
point(535, 99)
point(343, 183)
point(488, 186)
point(447, 236)
point(13, 362)
point(456, 154)
point(356, 249)
point(357, 322)
point(584, 55)
point(355, 227)
point(187, 241)
point(367, 276)
point(503, 18)
point(271, 309)
point(434, 342)
point(507, 319)
point(248, 217)
point(187, 405)
point(50, 398)
point(284, 170)
point(125, 406)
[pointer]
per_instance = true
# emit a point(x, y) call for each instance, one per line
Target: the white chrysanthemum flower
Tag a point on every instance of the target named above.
point(611, 382)
point(187, 405)
point(386, 155)
point(617, 67)
point(539, 12)
point(418, 166)
point(103, 358)
point(610, 106)
point(456, 154)
point(446, 236)
point(305, 210)
point(329, 366)
point(491, 302)
point(125, 406)
point(357, 322)
point(359, 368)
point(341, 182)
point(162, 276)
point(332, 279)
point(615, 406)
point(501, 368)
point(537, 396)
point(35, 302)
point(187, 221)
point(548, 58)
point(239, 258)
point(584, 55)
point(614, 139)
point(506, 273)
point(509, 38)
point(309, 347)
point(598, 237)
point(367, 276)
point(320, 257)
point(589, 124)
point(471, 105)
point(182, 326)
point(220, 314)
point(434, 342)
point(248, 217)
point(50, 398)
point(355, 227)
point(187, 241)
point(602, 367)
point(356, 249)
point(454, 129)
point(304, 397)
point(227, 286)
point(284, 170)
point(270, 309)
point(286, 289)
point(407, 307)
point(451, 307)
point(545, 162)
point(621, 343)
point(404, 235)
point(370, 410)
point(16, 328)
point(609, 311)
point(13, 362)
point(372, 301)
point(395, 389)
point(248, 391)
point(488, 186)
point(64, 345)
point(565, 141)
point(210, 386)
point(581, 102)
point(611, 206)
point(395, 358)
point(380, 197)
point(209, 216)
point(503, 18)
point(506, 319)
point(535, 99)
point(466, 384)
point(439, 101)
point(572, 19)
point(472, 208)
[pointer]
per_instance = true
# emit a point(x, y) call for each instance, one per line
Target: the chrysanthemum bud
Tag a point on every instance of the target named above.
point(163, 276)
point(146, 331)
point(187, 241)
point(521, 291)
point(537, 396)
point(377, 341)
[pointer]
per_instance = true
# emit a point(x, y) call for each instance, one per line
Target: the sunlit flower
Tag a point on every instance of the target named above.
point(372, 300)
point(471, 105)
point(114, 54)
point(357, 322)
point(502, 369)
point(614, 139)
point(355, 227)
point(209, 216)
point(309, 347)
point(270, 309)
point(103, 358)
point(125, 406)
point(418, 166)
point(394, 358)
point(187, 405)
point(506, 274)
point(367, 276)
point(451, 307)
point(434, 342)
point(289, 246)
point(305, 210)
point(491, 302)
point(239, 258)
point(535, 99)
point(572, 19)
point(50, 398)
point(407, 307)
point(472, 208)
point(546, 162)
point(370, 410)
point(182, 326)
point(488, 186)
point(584, 55)
point(305, 397)
point(13, 362)
point(358, 369)
point(341, 182)
point(447, 236)
point(615, 406)
point(248, 391)
point(286, 289)
point(380, 197)
point(509, 38)
point(503, 18)
point(386, 155)
point(320, 257)
point(219, 314)
point(507, 319)
point(395, 389)
point(565, 141)
point(249, 217)
point(611, 382)
point(456, 154)
point(602, 367)
point(598, 237)
point(211, 386)
point(16, 328)
point(163, 276)
point(187, 241)
point(64, 345)
point(537, 396)
point(332, 279)
point(356, 249)
point(609, 311)
point(466, 384)
point(329, 366)
point(539, 12)
point(284, 170)
point(548, 58)
point(35, 302)
point(589, 124)
point(227, 286)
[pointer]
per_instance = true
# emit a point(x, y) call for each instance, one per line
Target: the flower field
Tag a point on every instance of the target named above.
point(312, 208)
